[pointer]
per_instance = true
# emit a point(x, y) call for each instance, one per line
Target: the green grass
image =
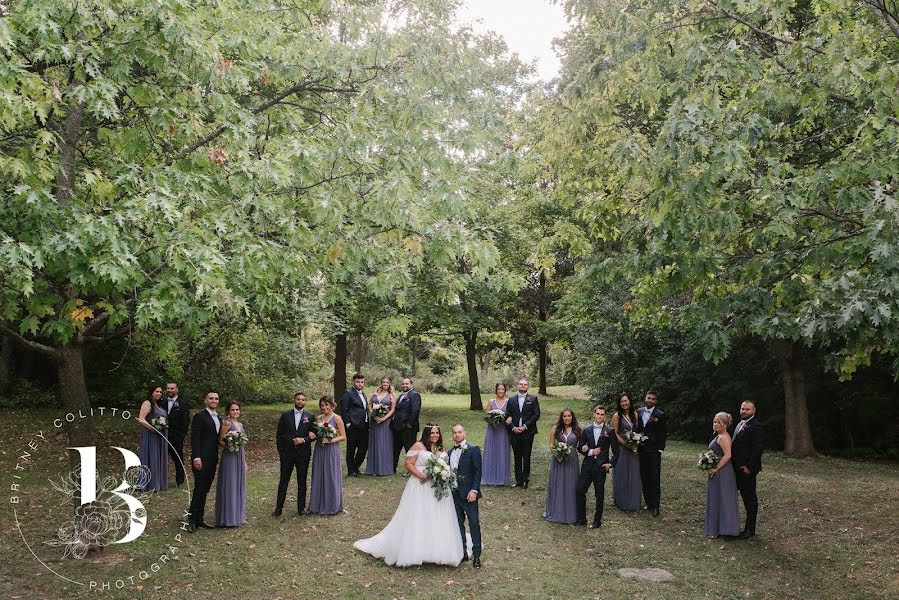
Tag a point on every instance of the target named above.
point(826, 530)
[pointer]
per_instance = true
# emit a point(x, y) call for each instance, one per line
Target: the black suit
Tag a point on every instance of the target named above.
point(469, 477)
point(523, 443)
point(355, 418)
point(204, 444)
point(293, 456)
point(656, 431)
point(592, 471)
point(179, 419)
point(405, 423)
point(747, 452)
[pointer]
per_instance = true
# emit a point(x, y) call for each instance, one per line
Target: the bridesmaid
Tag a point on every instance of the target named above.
point(327, 475)
point(497, 466)
point(231, 489)
point(626, 486)
point(561, 499)
point(380, 437)
point(154, 443)
point(722, 516)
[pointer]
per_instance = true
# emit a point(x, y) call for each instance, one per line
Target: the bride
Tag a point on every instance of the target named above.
point(423, 529)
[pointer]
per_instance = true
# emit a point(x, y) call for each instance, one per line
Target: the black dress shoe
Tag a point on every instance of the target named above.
point(302, 512)
point(276, 512)
point(192, 527)
point(465, 558)
point(204, 525)
point(654, 511)
point(745, 534)
point(476, 563)
point(525, 485)
point(596, 525)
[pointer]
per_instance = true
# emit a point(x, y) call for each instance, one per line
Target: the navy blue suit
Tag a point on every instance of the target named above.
point(469, 476)
point(592, 471)
point(355, 417)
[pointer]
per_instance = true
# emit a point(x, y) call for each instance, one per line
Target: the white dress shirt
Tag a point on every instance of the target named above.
point(297, 415)
point(455, 456)
point(215, 419)
point(521, 399)
point(172, 403)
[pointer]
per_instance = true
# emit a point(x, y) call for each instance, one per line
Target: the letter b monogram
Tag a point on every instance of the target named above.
point(88, 455)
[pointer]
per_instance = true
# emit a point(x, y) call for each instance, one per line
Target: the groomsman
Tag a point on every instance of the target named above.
point(178, 418)
point(354, 410)
point(405, 420)
point(652, 423)
point(465, 460)
point(294, 441)
point(595, 444)
point(748, 440)
point(204, 452)
point(524, 412)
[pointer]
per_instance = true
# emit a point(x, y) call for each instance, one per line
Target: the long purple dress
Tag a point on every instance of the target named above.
point(380, 441)
point(561, 499)
point(326, 491)
point(626, 486)
point(722, 516)
point(231, 489)
point(496, 468)
point(154, 453)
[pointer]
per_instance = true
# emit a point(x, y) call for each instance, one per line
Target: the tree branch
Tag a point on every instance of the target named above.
point(28, 343)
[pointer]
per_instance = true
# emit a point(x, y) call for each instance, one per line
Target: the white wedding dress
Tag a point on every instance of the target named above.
point(422, 530)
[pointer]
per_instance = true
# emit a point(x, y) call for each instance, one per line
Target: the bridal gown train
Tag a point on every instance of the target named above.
point(422, 530)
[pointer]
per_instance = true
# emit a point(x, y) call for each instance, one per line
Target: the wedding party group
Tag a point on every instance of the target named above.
point(445, 482)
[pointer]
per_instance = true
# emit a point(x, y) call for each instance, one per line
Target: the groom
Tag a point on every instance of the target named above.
point(465, 461)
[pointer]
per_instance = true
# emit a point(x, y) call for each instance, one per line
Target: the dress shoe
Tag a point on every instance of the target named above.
point(596, 525)
point(192, 527)
point(525, 485)
point(745, 534)
point(654, 511)
point(476, 563)
point(302, 512)
point(204, 525)
point(465, 557)
point(276, 512)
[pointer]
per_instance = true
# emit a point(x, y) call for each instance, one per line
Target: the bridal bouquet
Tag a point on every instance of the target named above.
point(380, 410)
point(634, 439)
point(159, 423)
point(708, 460)
point(561, 451)
point(441, 475)
point(496, 418)
point(325, 431)
point(236, 439)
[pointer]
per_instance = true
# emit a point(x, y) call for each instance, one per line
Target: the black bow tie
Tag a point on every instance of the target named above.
point(457, 447)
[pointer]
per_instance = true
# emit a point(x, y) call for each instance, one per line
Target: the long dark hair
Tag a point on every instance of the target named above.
point(152, 388)
point(426, 437)
point(560, 425)
point(630, 413)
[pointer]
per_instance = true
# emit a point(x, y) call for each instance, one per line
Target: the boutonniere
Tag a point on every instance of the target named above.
point(464, 447)
point(653, 419)
point(305, 419)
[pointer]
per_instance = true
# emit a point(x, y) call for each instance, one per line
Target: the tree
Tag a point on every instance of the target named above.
point(742, 166)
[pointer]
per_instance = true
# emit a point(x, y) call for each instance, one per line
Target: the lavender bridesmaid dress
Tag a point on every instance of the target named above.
point(722, 516)
point(561, 499)
point(231, 489)
point(326, 491)
point(154, 453)
point(626, 486)
point(497, 464)
point(380, 443)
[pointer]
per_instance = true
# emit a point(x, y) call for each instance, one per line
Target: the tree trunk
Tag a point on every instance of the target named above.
point(798, 433)
point(471, 359)
point(359, 352)
point(73, 392)
point(340, 347)
point(542, 348)
point(6, 364)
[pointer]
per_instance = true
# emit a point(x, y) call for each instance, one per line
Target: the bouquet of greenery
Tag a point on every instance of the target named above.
point(325, 431)
point(633, 439)
point(159, 423)
point(236, 439)
point(496, 418)
point(708, 460)
point(380, 411)
point(441, 476)
point(561, 451)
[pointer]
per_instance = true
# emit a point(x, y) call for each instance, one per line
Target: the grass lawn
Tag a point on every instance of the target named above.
point(827, 529)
